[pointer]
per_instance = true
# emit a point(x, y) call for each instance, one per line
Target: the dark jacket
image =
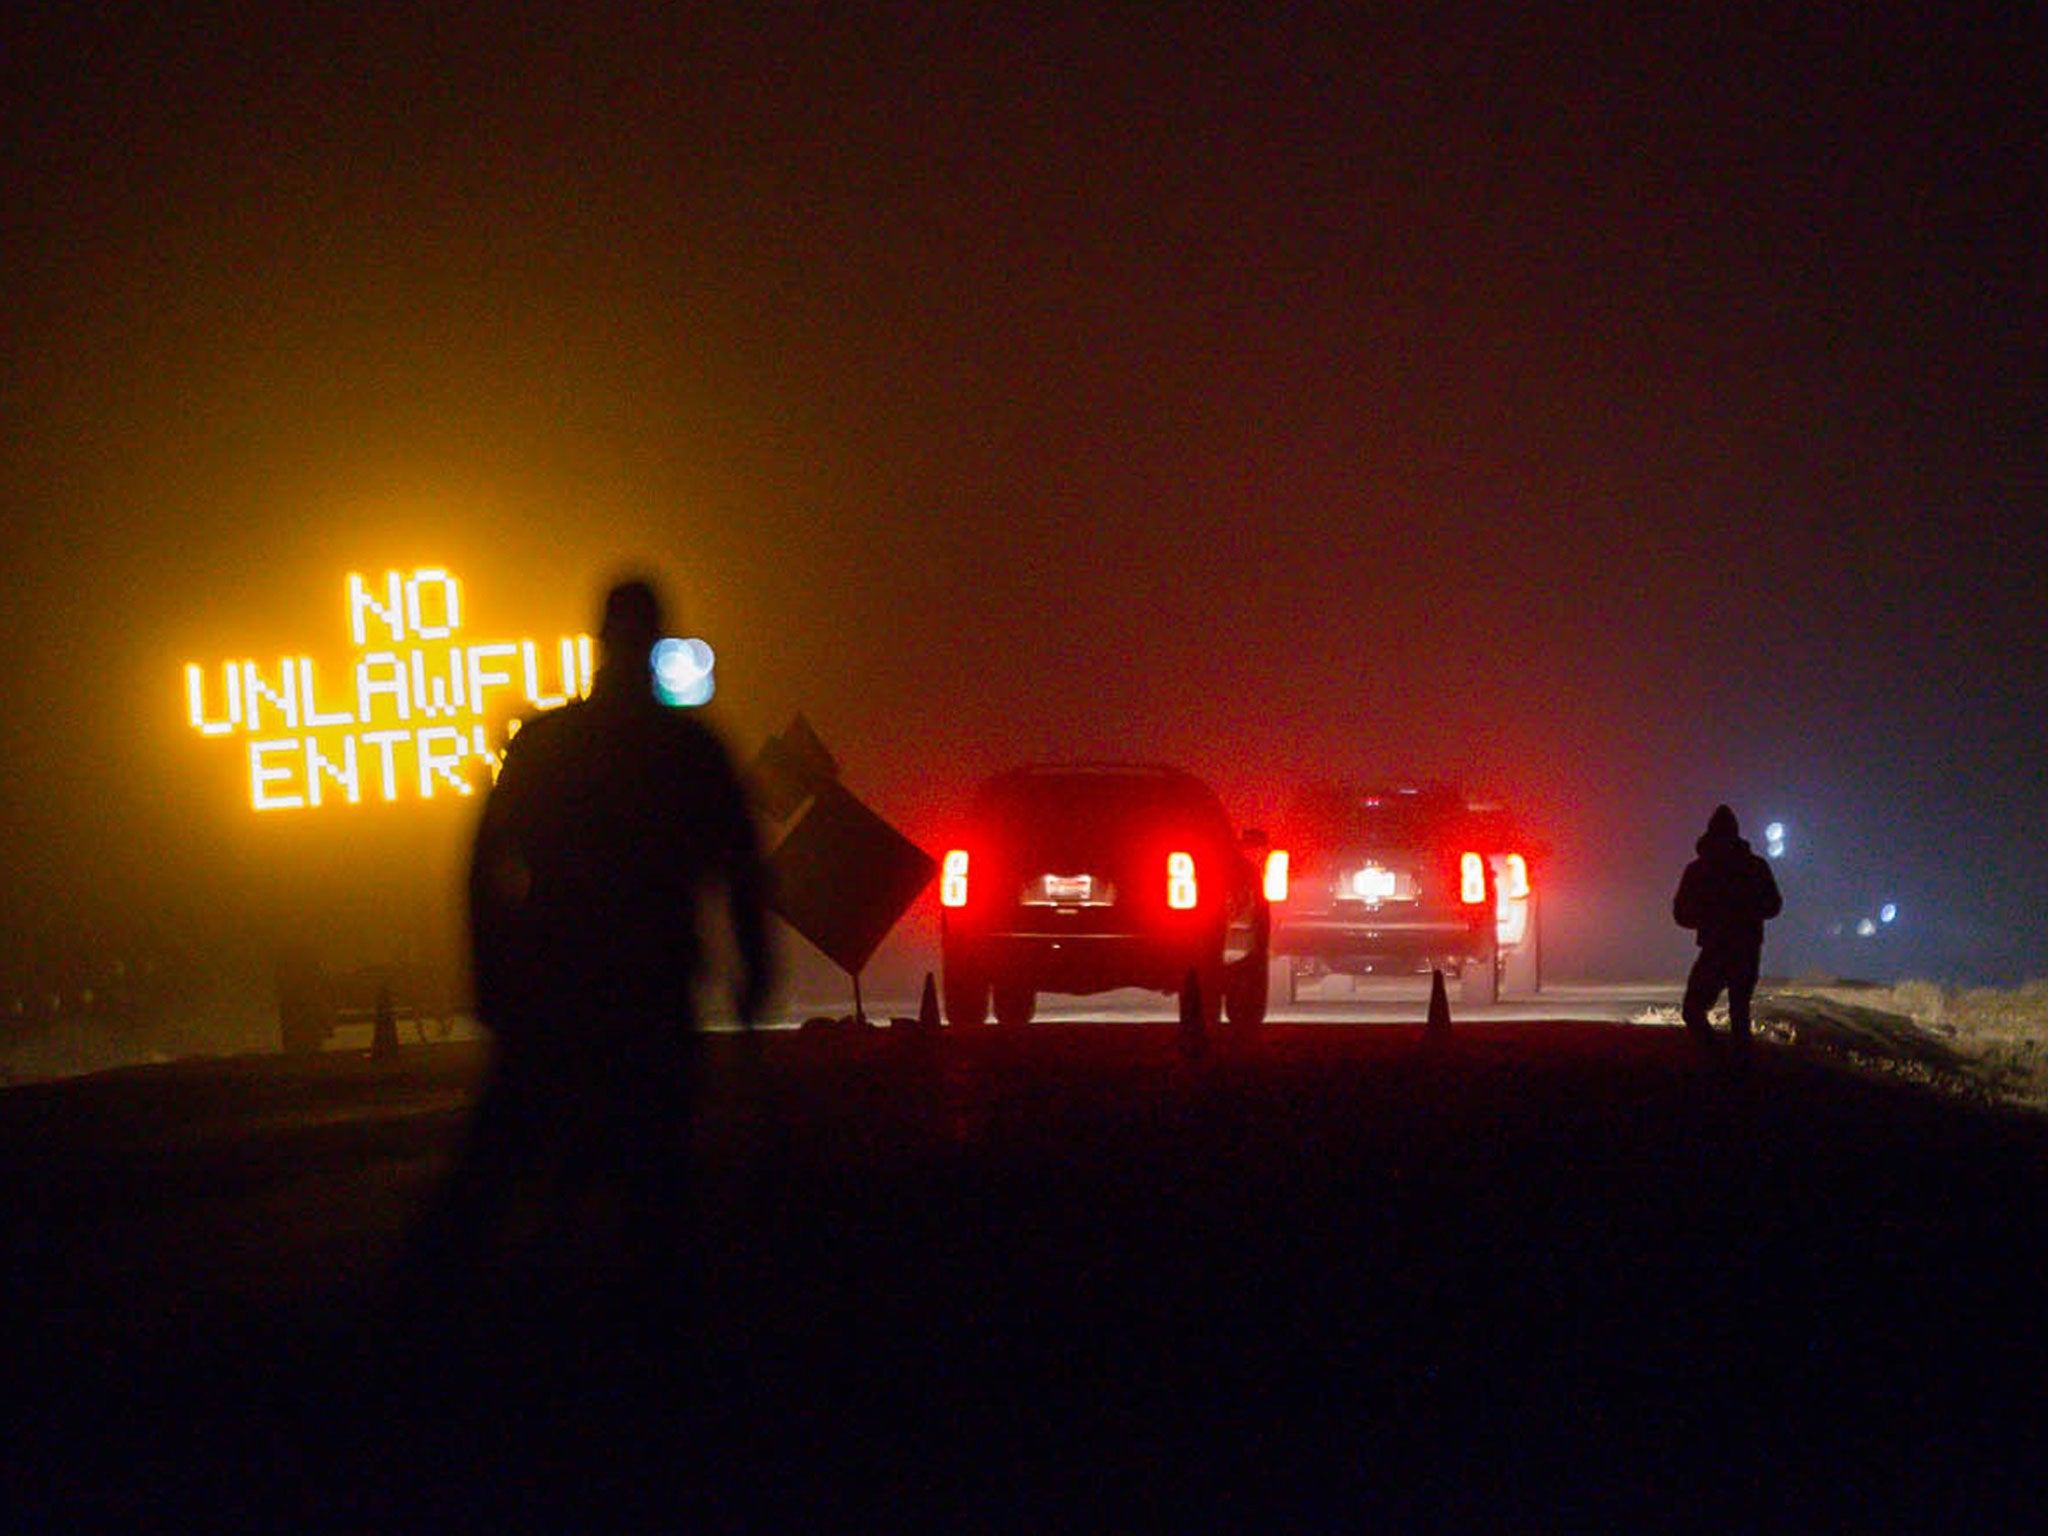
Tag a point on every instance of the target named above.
point(612, 818)
point(1727, 893)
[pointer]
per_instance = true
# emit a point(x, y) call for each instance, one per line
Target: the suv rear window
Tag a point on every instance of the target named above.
point(1387, 820)
point(1104, 799)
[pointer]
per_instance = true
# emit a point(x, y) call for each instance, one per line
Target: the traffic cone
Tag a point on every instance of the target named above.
point(928, 1005)
point(1439, 1021)
point(384, 1032)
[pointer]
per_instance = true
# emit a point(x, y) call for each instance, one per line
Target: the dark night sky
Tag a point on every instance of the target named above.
point(1618, 416)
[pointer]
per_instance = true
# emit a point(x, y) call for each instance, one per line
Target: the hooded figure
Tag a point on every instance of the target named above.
point(1726, 896)
point(614, 822)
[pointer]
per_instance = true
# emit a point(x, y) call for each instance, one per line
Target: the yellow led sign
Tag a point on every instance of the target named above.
point(408, 718)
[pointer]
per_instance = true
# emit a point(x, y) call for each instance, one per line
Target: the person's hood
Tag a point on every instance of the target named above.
point(1722, 836)
point(1712, 847)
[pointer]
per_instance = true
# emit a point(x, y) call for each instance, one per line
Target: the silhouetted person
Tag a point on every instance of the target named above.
point(1726, 895)
point(612, 817)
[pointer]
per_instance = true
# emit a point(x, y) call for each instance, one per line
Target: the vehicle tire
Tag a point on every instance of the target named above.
point(1215, 986)
point(1479, 978)
point(1521, 968)
point(1245, 993)
point(1201, 1007)
point(1280, 977)
point(1015, 1002)
point(966, 995)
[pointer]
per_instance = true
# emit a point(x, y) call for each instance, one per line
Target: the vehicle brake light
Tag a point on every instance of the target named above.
point(1471, 879)
point(953, 879)
point(1515, 885)
point(1276, 875)
point(1180, 881)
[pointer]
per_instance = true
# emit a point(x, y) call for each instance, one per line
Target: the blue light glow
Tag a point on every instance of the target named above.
point(683, 672)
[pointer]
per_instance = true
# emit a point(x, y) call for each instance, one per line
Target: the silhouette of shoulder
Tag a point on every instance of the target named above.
point(1728, 886)
point(626, 778)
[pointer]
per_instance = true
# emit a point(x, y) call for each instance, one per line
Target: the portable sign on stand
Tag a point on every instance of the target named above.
point(843, 877)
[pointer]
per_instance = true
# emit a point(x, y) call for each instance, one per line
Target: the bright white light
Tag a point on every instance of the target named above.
point(683, 672)
point(1865, 928)
point(1774, 839)
point(1888, 913)
point(1373, 884)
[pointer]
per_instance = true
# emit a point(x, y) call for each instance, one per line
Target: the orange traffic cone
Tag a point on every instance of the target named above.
point(1439, 1021)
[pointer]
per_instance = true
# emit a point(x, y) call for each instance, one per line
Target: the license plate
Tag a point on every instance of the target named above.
point(1373, 884)
point(1066, 889)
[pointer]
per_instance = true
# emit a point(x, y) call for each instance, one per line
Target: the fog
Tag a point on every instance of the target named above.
point(1614, 417)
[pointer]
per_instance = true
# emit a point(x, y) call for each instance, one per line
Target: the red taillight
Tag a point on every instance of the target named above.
point(953, 879)
point(1276, 875)
point(1514, 883)
point(1471, 879)
point(1180, 881)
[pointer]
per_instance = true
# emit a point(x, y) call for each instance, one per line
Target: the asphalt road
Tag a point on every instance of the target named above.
point(1537, 1275)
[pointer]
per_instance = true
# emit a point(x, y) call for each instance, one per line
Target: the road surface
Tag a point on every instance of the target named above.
point(1542, 1274)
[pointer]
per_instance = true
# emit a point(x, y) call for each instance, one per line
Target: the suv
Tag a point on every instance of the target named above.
point(1085, 877)
point(1407, 880)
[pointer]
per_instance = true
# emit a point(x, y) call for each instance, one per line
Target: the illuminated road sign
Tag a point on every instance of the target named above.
point(409, 717)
